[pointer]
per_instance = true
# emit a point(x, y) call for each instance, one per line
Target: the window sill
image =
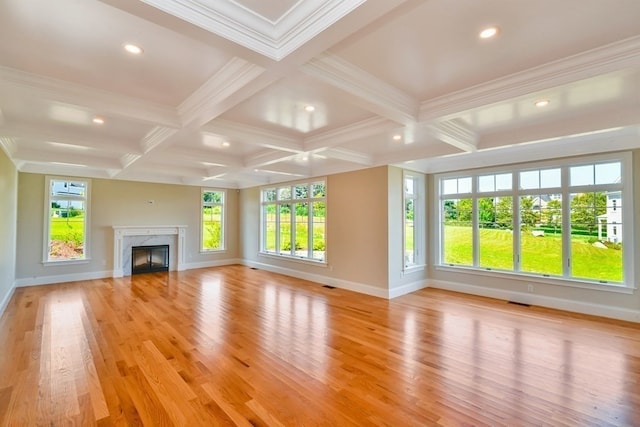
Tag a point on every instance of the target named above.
point(414, 269)
point(316, 263)
point(66, 262)
point(556, 281)
point(212, 251)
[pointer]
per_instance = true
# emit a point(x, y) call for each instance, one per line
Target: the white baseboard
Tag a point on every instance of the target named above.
point(62, 278)
point(216, 263)
point(323, 280)
point(541, 300)
point(5, 301)
point(408, 288)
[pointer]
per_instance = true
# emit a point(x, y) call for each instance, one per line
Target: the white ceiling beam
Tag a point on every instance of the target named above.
point(368, 91)
point(455, 133)
point(253, 136)
point(602, 60)
point(95, 100)
point(42, 156)
point(348, 156)
point(360, 130)
point(267, 157)
point(210, 99)
point(65, 136)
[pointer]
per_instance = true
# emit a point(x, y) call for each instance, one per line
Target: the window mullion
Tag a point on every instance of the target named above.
point(566, 223)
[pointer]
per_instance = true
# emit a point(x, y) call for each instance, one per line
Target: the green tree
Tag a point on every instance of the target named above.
point(585, 209)
point(450, 212)
point(552, 214)
point(465, 210)
point(504, 212)
point(487, 211)
point(528, 216)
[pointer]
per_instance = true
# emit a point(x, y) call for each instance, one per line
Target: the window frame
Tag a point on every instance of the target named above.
point(419, 224)
point(223, 219)
point(48, 199)
point(291, 200)
point(565, 189)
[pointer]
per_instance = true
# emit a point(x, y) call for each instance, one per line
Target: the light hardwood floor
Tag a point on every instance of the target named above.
point(236, 346)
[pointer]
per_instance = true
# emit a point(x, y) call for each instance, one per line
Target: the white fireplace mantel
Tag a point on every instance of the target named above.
point(122, 231)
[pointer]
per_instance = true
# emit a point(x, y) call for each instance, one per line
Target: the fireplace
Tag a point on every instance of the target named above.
point(149, 259)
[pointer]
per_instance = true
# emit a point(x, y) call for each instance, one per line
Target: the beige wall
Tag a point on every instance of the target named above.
point(8, 216)
point(356, 231)
point(115, 202)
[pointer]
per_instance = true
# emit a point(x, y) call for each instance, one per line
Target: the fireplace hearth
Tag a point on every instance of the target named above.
point(149, 259)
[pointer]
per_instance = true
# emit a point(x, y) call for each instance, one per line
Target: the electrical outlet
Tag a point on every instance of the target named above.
point(150, 202)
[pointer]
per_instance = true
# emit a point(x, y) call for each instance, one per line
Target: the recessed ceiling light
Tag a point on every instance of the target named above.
point(225, 143)
point(98, 120)
point(542, 103)
point(309, 108)
point(488, 32)
point(397, 137)
point(133, 49)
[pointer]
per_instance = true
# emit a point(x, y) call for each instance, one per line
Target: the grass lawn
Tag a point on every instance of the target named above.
point(541, 255)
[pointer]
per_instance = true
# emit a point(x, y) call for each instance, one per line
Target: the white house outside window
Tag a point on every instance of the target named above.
point(66, 219)
point(561, 219)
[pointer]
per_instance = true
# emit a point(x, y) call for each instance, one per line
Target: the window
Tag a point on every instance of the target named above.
point(413, 230)
point(66, 219)
point(294, 220)
point(212, 233)
point(564, 219)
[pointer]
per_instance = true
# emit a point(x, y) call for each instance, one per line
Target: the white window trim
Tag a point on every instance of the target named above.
point(223, 246)
point(419, 223)
point(47, 222)
point(276, 254)
point(627, 211)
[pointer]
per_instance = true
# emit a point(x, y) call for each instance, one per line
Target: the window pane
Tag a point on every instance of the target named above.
point(596, 250)
point(408, 186)
point(319, 230)
point(504, 181)
point(541, 234)
point(319, 189)
point(211, 227)
point(301, 191)
point(457, 232)
point(495, 234)
point(581, 175)
point(66, 225)
point(302, 229)
point(464, 185)
point(284, 193)
point(486, 183)
point(285, 229)
point(530, 180)
point(270, 230)
point(409, 232)
point(450, 186)
point(550, 178)
point(608, 173)
point(270, 195)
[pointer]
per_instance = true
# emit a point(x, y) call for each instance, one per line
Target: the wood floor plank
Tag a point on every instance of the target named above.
point(236, 346)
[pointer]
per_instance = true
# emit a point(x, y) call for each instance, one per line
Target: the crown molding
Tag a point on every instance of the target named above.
point(66, 136)
point(79, 160)
point(8, 145)
point(374, 94)
point(275, 40)
point(252, 135)
point(349, 156)
point(359, 130)
point(156, 137)
point(602, 60)
point(454, 133)
point(202, 105)
point(107, 103)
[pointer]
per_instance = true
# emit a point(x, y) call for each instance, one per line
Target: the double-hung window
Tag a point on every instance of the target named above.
point(568, 219)
point(212, 224)
point(294, 220)
point(66, 219)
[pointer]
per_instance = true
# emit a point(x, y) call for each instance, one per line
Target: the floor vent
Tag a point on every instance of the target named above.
point(253, 268)
point(520, 303)
point(328, 287)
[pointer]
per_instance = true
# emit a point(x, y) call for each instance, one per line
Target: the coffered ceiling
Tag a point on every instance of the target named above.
point(249, 92)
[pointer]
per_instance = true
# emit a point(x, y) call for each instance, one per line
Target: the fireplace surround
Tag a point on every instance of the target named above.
point(125, 237)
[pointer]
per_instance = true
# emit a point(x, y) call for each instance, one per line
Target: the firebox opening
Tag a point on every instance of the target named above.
point(149, 259)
